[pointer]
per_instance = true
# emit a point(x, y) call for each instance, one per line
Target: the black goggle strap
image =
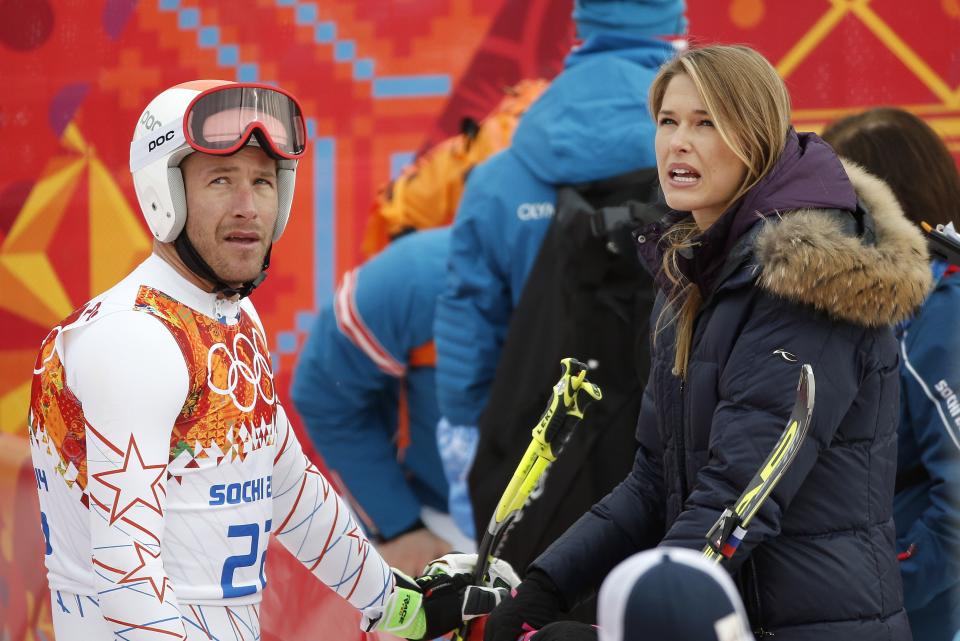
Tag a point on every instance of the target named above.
point(195, 263)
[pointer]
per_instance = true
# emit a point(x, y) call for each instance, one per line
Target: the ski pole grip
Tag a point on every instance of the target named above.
point(565, 408)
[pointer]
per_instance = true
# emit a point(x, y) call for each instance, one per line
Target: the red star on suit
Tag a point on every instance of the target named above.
point(133, 475)
point(361, 540)
point(154, 573)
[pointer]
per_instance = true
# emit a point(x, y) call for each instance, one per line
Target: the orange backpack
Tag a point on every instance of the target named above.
point(427, 192)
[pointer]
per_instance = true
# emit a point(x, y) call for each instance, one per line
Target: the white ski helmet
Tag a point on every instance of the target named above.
point(178, 123)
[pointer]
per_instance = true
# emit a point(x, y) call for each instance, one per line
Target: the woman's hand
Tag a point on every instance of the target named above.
point(534, 604)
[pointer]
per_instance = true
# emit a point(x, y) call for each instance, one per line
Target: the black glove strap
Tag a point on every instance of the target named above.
point(443, 602)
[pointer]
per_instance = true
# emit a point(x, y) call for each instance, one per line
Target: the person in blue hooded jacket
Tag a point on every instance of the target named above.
point(901, 149)
point(591, 123)
point(775, 255)
point(364, 386)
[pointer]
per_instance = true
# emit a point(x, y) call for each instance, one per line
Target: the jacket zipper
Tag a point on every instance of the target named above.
point(755, 593)
point(685, 415)
point(682, 445)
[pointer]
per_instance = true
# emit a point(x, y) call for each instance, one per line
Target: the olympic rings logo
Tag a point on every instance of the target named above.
point(257, 374)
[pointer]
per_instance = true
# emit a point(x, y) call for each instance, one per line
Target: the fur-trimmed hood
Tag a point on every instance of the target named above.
point(809, 257)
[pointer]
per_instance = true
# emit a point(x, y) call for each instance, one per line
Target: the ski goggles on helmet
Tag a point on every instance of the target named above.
point(222, 119)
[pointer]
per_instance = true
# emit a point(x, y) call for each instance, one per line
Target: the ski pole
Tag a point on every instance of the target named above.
point(549, 435)
point(727, 533)
point(942, 244)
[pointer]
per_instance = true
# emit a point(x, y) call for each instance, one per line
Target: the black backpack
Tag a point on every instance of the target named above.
point(588, 297)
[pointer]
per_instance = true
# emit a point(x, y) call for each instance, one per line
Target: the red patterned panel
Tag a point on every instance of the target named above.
point(88, 67)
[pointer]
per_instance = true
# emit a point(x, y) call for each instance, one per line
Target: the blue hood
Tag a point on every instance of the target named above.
point(592, 121)
point(633, 17)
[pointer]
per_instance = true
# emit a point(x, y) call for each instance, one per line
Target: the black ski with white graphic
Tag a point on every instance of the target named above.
point(725, 536)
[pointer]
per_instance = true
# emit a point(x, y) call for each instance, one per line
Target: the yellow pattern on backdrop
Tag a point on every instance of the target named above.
point(32, 288)
point(946, 121)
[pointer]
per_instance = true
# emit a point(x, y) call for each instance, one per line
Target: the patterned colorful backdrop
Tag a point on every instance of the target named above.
point(379, 80)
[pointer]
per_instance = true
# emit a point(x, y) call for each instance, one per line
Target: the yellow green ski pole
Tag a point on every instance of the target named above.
point(551, 432)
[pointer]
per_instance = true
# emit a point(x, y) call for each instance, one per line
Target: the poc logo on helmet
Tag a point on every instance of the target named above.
point(149, 121)
point(159, 140)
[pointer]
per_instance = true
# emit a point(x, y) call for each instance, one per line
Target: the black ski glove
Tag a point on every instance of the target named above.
point(430, 606)
point(536, 603)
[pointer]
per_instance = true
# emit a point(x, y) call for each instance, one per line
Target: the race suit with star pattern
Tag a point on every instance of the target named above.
point(164, 461)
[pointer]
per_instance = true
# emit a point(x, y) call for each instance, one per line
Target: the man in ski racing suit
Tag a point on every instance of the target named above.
point(163, 456)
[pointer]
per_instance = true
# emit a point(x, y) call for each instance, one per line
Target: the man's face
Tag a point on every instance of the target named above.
point(231, 210)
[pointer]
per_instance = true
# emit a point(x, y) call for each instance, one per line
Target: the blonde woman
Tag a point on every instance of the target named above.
point(775, 255)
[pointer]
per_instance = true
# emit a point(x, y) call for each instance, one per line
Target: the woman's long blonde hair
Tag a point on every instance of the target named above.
point(750, 108)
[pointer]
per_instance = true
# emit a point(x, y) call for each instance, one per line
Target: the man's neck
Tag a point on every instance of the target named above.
point(169, 254)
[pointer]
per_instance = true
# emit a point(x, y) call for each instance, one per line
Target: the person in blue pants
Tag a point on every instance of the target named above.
point(364, 386)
